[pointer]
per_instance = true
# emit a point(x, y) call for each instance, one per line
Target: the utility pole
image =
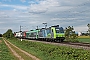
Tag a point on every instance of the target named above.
point(20, 28)
point(45, 25)
point(20, 33)
point(37, 27)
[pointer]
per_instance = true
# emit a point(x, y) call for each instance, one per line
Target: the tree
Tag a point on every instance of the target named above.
point(70, 34)
point(8, 34)
point(0, 35)
point(89, 29)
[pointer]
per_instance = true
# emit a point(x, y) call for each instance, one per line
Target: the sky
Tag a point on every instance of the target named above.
point(32, 13)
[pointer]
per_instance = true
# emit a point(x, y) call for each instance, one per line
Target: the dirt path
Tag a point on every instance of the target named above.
point(13, 51)
point(19, 53)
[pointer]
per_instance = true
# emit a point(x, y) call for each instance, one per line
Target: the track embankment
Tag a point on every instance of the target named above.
point(85, 46)
point(19, 53)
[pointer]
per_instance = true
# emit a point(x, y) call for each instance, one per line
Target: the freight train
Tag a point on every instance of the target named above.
point(53, 33)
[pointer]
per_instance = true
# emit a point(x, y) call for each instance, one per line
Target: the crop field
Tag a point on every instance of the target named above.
point(85, 39)
point(5, 54)
point(51, 52)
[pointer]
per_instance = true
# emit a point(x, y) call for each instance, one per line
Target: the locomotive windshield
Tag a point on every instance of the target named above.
point(59, 30)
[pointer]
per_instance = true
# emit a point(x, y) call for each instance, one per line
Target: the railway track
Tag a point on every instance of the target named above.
point(85, 46)
point(78, 44)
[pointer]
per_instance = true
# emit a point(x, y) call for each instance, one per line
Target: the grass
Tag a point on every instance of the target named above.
point(52, 52)
point(5, 53)
point(85, 39)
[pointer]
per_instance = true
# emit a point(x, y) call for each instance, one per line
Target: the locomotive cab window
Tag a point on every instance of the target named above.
point(57, 30)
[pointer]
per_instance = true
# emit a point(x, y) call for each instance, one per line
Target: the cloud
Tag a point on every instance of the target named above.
point(14, 6)
point(80, 28)
point(64, 13)
point(43, 6)
point(54, 5)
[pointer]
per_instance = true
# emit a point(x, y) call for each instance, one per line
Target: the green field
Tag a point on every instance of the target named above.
point(5, 53)
point(85, 39)
point(52, 52)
